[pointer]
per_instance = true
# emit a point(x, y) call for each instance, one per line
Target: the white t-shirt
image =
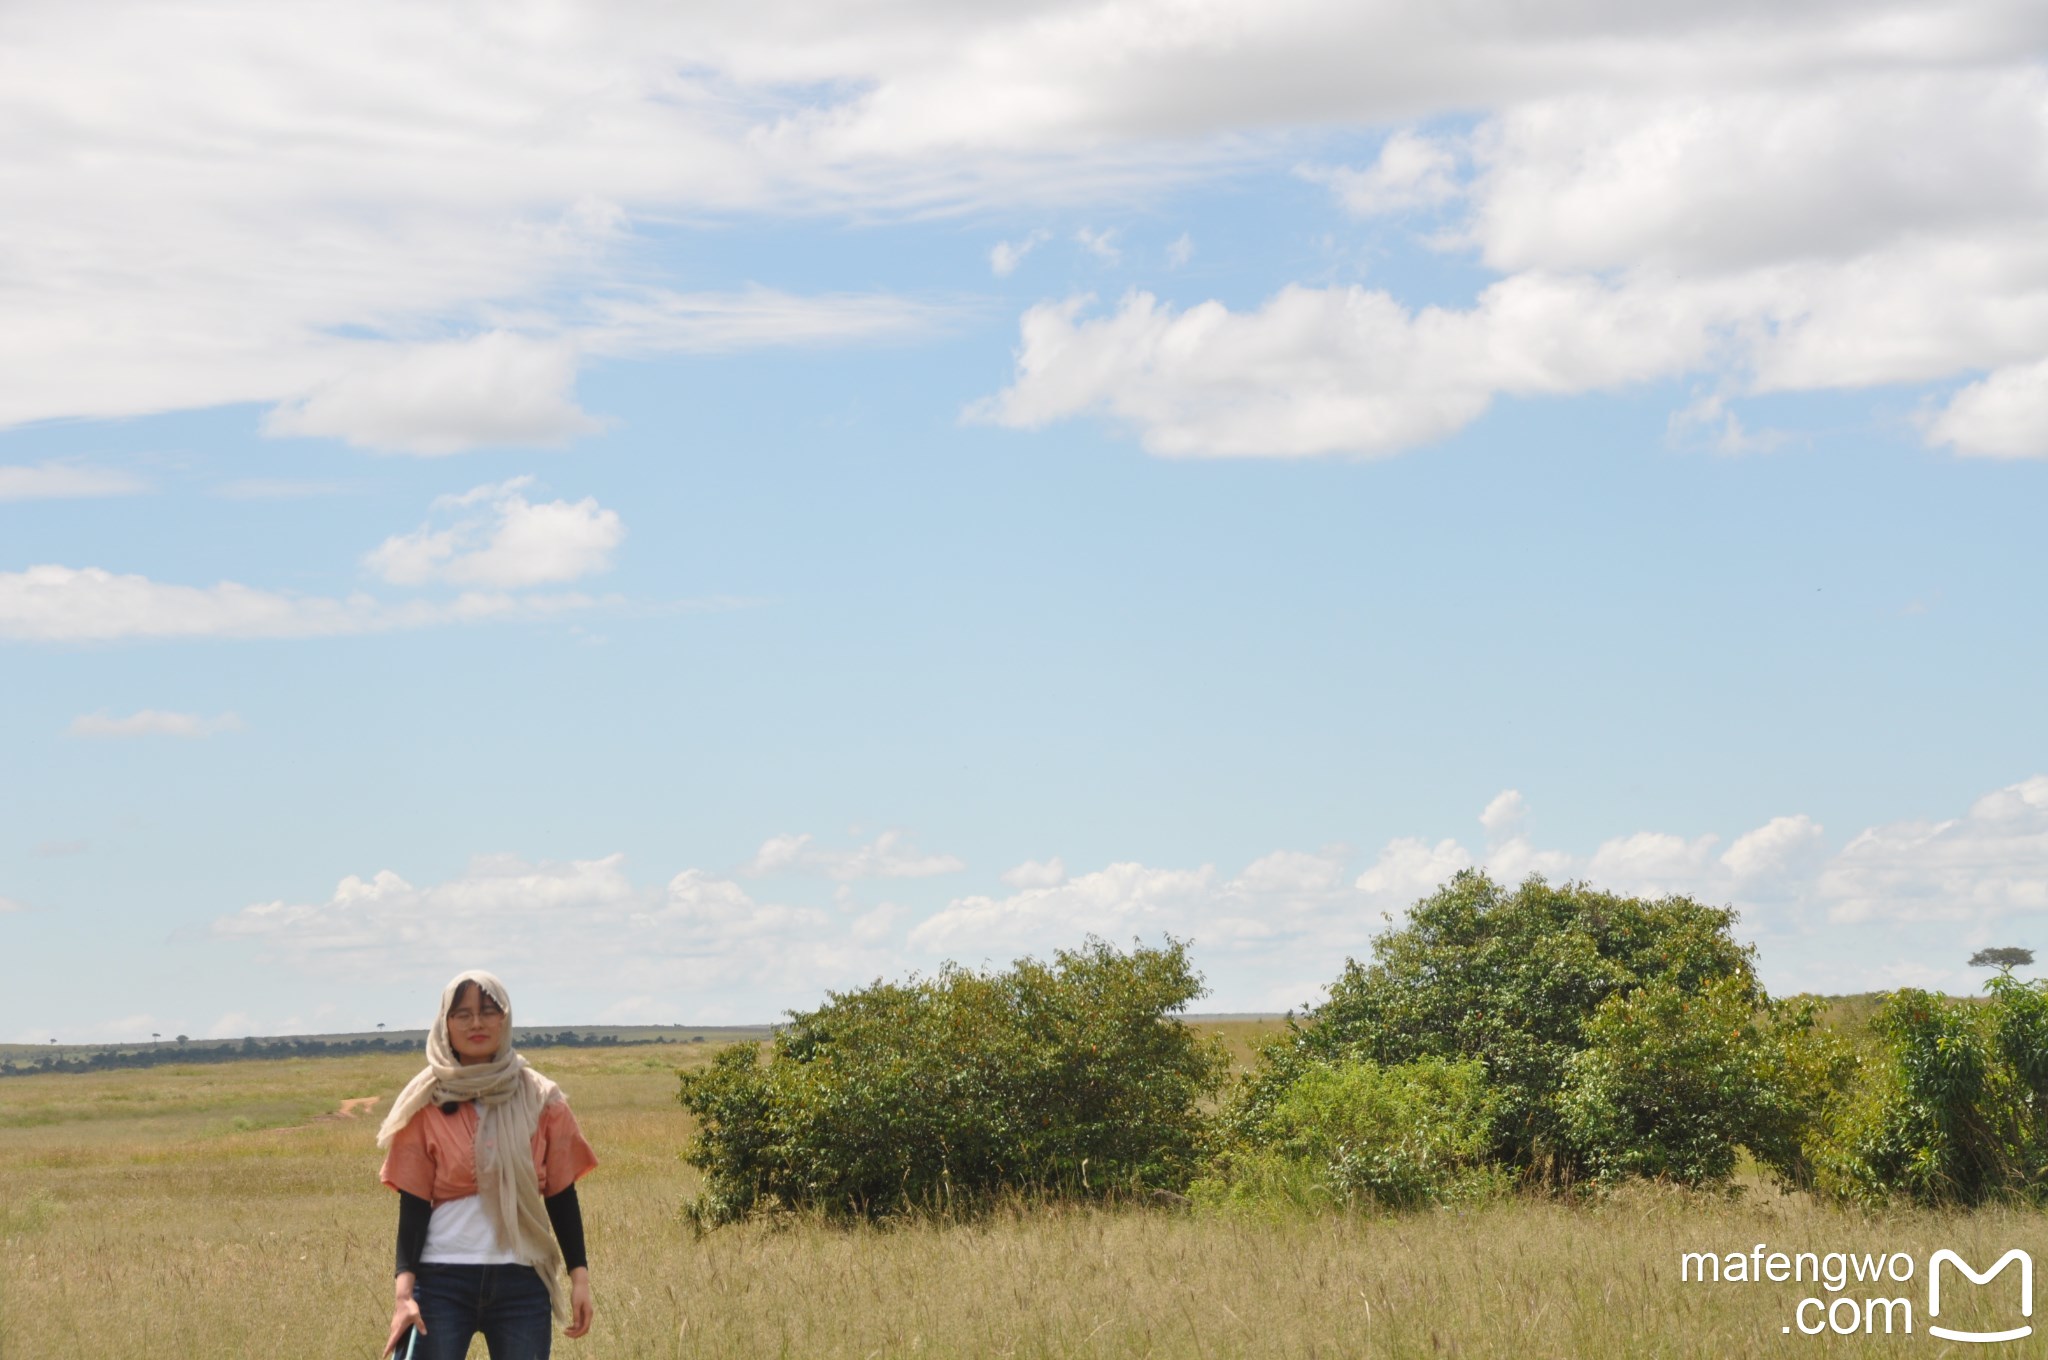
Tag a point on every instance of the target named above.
point(460, 1234)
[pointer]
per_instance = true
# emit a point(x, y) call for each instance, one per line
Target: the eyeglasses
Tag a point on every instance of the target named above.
point(467, 1016)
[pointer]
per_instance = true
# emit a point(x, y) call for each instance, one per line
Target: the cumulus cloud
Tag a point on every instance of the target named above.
point(2004, 415)
point(513, 543)
point(152, 722)
point(889, 855)
point(1409, 867)
point(1651, 862)
point(493, 542)
point(1988, 864)
point(1413, 171)
point(88, 604)
point(1118, 901)
point(585, 925)
point(1857, 227)
point(1344, 369)
point(1036, 873)
point(1773, 848)
point(1506, 810)
point(9, 905)
point(65, 481)
point(326, 189)
point(712, 944)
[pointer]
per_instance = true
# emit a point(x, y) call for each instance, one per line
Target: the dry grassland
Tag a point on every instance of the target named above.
point(229, 1210)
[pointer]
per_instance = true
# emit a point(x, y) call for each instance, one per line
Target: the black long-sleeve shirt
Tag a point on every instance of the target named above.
point(563, 1211)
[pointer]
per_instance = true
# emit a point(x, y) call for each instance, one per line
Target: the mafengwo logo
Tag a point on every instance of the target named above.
point(1863, 1294)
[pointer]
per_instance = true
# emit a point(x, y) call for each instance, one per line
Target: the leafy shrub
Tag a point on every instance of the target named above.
point(1352, 1132)
point(1515, 980)
point(1671, 1082)
point(1953, 1108)
point(1071, 1079)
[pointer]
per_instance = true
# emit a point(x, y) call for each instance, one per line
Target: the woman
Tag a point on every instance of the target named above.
point(484, 1231)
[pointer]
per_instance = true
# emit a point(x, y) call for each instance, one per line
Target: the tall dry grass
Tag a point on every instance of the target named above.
point(218, 1211)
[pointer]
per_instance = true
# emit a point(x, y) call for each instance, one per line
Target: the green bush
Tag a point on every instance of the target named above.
point(1672, 1082)
point(1538, 984)
point(1953, 1106)
point(1354, 1133)
point(1072, 1079)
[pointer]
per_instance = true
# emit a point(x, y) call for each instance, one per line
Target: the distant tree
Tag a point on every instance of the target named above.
point(2004, 959)
point(155, 1038)
point(380, 1024)
point(184, 1039)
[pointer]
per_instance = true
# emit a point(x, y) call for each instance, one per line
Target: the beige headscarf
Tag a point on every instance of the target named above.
point(509, 1096)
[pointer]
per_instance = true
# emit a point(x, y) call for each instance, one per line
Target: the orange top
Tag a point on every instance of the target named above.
point(434, 1155)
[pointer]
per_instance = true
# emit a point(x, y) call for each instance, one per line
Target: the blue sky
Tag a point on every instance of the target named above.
point(689, 513)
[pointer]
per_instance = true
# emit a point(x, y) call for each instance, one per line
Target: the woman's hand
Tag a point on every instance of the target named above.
point(579, 1302)
point(405, 1314)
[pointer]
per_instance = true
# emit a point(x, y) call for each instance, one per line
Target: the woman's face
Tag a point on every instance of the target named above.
point(476, 1027)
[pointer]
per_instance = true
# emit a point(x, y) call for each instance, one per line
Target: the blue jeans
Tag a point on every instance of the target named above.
point(508, 1304)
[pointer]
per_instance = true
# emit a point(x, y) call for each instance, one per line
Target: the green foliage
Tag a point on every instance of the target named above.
point(1671, 1082)
point(1072, 1078)
point(1513, 979)
point(1954, 1105)
point(1354, 1133)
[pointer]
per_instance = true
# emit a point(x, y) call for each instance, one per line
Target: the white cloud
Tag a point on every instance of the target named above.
point(1292, 873)
point(1410, 867)
point(9, 905)
point(1342, 370)
point(407, 171)
point(1990, 863)
point(515, 544)
point(1037, 873)
point(2004, 415)
point(1711, 416)
point(1517, 857)
point(495, 389)
point(1853, 228)
point(1652, 863)
point(1718, 181)
point(1412, 171)
point(1506, 810)
point(1773, 848)
point(62, 481)
point(877, 924)
point(889, 855)
point(1118, 901)
point(1180, 250)
point(583, 924)
point(88, 604)
point(1005, 256)
point(1101, 244)
point(703, 944)
point(152, 722)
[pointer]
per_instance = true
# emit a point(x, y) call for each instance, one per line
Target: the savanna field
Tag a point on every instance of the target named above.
point(233, 1210)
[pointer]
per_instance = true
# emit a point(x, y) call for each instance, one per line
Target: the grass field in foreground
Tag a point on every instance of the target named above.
point(226, 1210)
